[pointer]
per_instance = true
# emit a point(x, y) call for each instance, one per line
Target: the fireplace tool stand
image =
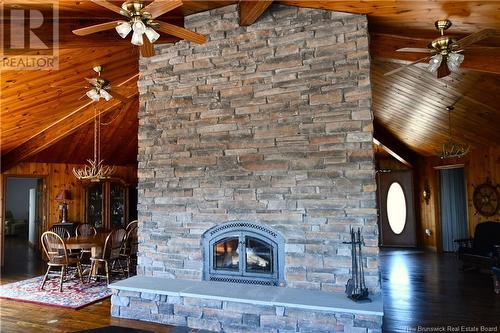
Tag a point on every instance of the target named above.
point(356, 287)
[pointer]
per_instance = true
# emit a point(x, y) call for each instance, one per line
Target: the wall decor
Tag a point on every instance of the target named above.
point(486, 198)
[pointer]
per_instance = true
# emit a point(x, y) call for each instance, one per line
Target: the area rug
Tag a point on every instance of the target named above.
point(114, 329)
point(75, 295)
point(119, 329)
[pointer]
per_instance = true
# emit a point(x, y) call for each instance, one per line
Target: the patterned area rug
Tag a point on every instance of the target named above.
point(119, 329)
point(75, 295)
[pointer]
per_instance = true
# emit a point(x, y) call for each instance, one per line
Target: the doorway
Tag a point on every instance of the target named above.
point(453, 203)
point(396, 209)
point(24, 209)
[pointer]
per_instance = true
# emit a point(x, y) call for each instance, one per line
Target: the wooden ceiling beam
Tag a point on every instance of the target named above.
point(384, 47)
point(58, 131)
point(393, 145)
point(251, 10)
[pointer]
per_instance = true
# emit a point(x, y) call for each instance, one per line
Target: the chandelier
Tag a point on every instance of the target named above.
point(95, 171)
point(450, 148)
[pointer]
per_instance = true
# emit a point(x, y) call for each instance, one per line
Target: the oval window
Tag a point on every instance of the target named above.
point(396, 208)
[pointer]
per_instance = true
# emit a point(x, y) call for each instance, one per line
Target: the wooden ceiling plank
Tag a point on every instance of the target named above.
point(56, 132)
point(251, 10)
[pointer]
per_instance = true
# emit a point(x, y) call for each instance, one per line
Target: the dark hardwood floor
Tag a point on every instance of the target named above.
point(428, 290)
point(22, 262)
point(420, 289)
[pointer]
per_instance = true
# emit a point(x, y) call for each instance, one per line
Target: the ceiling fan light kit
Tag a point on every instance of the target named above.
point(100, 87)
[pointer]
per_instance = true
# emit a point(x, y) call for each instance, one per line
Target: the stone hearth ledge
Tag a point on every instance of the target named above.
point(251, 294)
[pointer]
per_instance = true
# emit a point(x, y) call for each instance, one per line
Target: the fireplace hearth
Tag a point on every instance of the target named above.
point(243, 252)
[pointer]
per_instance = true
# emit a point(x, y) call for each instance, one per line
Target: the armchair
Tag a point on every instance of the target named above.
point(478, 252)
point(496, 270)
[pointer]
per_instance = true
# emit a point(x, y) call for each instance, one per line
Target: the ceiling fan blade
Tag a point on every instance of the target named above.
point(119, 96)
point(109, 5)
point(443, 70)
point(66, 86)
point(473, 38)
point(405, 66)
point(136, 75)
point(415, 50)
point(96, 28)
point(181, 32)
point(147, 49)
point(92, 81)
point(160, 7)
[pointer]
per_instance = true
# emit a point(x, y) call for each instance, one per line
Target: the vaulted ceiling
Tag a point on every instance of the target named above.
point(45, 123)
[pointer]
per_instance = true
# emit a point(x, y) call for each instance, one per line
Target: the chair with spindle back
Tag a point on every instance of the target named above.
point(110, 253)
point(132, 224)
point(129, 250)
point(60, 231)
point(85, 230)
point(58, 256)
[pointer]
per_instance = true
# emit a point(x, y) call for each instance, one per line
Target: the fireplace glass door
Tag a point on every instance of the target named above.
point(227, 254)
point(259, 256)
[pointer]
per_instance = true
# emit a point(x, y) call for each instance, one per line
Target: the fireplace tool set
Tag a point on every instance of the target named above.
point(356, 287)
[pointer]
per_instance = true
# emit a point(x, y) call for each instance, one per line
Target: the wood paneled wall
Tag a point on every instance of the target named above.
point(479, 165)
point(58, 177)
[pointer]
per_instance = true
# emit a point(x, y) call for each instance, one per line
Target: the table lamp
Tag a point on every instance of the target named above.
point(63, 196)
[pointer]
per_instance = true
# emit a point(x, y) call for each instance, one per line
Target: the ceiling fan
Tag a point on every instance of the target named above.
point(99, 87)
point(446, 52)
point(140, 20)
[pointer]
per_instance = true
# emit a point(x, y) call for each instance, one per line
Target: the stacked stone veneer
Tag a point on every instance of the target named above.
point(268, 123)
point(224, 316)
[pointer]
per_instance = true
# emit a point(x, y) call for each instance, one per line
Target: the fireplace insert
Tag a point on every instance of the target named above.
point(243, 252)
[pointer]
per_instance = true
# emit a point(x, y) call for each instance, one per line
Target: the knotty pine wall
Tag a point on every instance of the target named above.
point(479, 164)
point(58, 177)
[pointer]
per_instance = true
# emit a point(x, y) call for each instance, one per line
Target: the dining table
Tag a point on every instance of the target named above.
point(94, 243)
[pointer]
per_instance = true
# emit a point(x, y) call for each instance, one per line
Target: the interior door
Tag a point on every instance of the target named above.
point(396, 209)
point(41, 210)
point(453, 204)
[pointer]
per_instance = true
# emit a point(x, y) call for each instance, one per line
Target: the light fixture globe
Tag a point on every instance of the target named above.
point(434, 63)
point(139, 27)
point(123, 29)
point(152, 35)
point(93, 94)
point(106, 95)
point(137, 39)
point(454, 61)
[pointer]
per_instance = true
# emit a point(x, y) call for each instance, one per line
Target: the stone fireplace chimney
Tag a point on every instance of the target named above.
point(268, 124)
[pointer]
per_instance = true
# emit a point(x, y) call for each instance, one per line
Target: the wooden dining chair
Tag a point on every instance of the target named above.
point(129, 249)
point(132, 224)
point(57, 256)
point(60, 231)
point(110, 254)
point(85, 230)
